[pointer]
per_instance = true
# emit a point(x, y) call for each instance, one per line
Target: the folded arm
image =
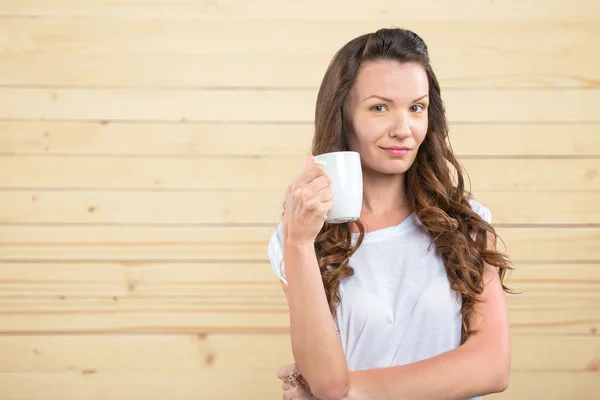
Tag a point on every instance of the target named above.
point(316, 346)
point(480, 366)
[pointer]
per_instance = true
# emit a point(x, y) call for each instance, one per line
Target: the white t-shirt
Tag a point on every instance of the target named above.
point(398, 308)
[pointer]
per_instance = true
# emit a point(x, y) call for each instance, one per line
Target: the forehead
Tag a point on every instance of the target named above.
point(398, 81)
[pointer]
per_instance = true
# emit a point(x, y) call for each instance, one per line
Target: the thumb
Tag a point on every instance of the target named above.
point(308, 159)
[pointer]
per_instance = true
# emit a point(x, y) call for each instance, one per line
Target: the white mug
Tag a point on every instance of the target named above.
point(345, 171)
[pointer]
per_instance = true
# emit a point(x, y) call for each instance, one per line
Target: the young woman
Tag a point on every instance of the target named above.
point(408, 301)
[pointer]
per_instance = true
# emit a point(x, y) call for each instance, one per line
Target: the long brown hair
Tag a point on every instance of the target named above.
point(437, 195)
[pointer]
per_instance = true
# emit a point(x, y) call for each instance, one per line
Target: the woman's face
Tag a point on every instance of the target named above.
point(386, 112)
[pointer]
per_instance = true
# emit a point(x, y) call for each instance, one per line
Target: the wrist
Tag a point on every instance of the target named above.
point(298, 245)
point(300, 258)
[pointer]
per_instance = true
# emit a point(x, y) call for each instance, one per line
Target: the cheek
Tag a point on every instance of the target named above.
point(419, 131)
point(369, 131)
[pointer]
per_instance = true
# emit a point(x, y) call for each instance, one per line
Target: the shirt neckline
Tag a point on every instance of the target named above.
point(385, 233)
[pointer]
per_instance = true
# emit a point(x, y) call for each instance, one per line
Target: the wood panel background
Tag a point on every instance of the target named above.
point(145, 147)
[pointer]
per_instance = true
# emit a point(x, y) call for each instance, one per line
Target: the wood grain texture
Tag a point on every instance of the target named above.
point(254, 207)
point(130, 139)
point(461, 59)
point(270, 174)
point(230, 313)
point(222, 243)
point(168, 279)
point(240, 297)
point(107, 279)
point(556, 313)
point(191, 385)
point(216, 140)
point(494, 70)
point(206, 105)
point(551, 386)
point(184, 385)
point(386, 10)
point(223, 353)
point(221, 279)
point(200, 352)
point(325, 37)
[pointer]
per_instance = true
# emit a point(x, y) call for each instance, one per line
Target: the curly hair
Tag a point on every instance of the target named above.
point(435, 192)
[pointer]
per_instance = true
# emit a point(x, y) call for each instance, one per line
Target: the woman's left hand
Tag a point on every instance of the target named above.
point(294, 385)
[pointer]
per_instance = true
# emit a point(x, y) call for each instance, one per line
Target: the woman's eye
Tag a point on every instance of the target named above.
point(378, 108)
point(417, 108)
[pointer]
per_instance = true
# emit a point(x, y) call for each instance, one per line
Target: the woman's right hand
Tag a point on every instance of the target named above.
point(307, 200)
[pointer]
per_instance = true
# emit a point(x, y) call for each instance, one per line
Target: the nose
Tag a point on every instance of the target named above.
point(401, 126)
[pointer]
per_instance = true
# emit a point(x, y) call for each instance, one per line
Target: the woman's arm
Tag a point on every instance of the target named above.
point(480, 366)
point(316, 345)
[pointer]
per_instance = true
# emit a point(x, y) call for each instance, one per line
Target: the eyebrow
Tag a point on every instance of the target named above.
point(390, 100)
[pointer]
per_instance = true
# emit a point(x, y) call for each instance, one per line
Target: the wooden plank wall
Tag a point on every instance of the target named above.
point(145, 147)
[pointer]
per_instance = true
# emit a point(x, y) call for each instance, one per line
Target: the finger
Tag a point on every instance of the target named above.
point(316, 207)
point(288, 190)
point(308, 159)
point(286, 370)
point(325, 195)
point(294, 393)
point(298, 393)
point(320, 211)
point(327, 206)
point(319, 203)
point(310, 173)
point(306, 193)
point(319, 183)
point(307, 196)
point(302, 383)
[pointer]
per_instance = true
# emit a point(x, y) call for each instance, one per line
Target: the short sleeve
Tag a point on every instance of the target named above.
point(275, 252)
point(482, 210)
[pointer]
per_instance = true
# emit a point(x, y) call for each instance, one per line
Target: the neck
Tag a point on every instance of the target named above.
point(383, 193)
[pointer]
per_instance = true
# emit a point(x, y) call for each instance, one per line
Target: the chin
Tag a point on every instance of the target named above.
point(393, 168)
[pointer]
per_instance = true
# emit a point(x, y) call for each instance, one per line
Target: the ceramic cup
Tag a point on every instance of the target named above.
point(345, 171)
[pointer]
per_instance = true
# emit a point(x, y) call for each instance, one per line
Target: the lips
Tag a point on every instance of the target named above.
point(397, 148)
point(397, 151)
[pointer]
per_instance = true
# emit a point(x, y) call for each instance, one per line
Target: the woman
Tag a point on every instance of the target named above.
point(408, 302)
